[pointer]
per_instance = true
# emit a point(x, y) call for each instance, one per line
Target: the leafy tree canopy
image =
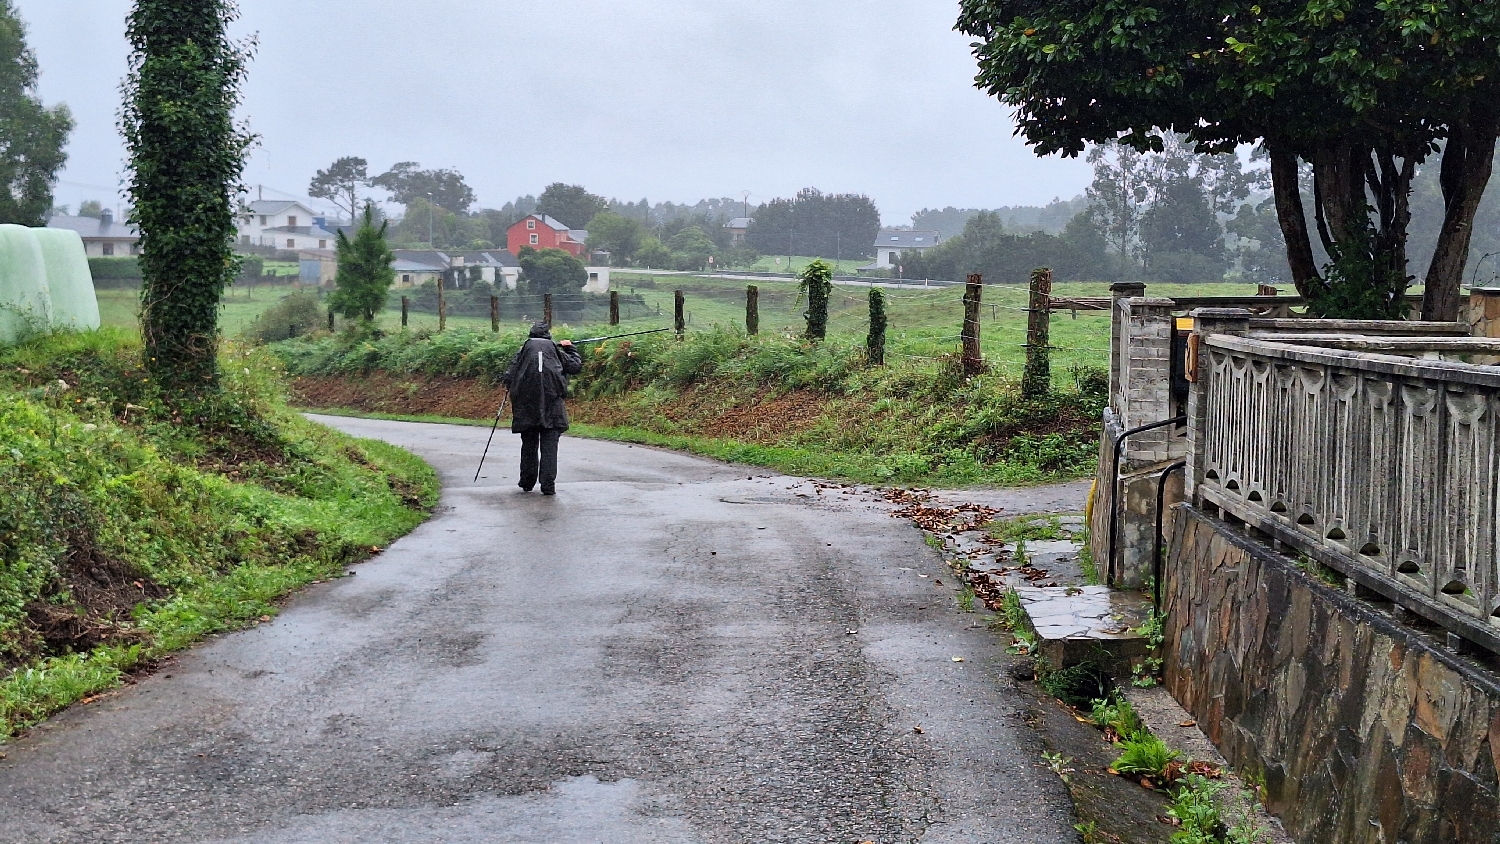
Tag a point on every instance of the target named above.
point(619, 236)
point(571, 205)
point(32, 136)
point(407, 183)
point(552, 271)
point(987, 248)
point(815, 223)
point(365, 274)
point(1361, 91)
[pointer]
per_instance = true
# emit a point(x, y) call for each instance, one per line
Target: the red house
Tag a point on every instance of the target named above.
point(543, 232)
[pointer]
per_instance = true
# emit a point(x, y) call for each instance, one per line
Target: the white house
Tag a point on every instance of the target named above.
point(890, 243)
point(102, 236)
point(284, 224)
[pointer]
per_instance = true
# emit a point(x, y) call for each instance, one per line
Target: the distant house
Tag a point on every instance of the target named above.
point(415, 267)
point(298, 238)
point(284, 224)
point(543, 232)
point(890, 243)
point(737, 229)
point(102, 236)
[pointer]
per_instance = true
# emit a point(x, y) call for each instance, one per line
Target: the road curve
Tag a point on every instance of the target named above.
point(669, 650)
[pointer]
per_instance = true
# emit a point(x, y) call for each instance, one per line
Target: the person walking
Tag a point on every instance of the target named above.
point(538, 384)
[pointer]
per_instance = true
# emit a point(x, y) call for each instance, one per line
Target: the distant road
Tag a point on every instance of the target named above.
point(842, 280)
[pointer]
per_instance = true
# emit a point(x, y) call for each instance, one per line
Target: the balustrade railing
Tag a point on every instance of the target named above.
point(1380, 466)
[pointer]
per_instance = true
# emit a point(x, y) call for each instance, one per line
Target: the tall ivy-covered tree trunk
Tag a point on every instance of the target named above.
point(186, 159)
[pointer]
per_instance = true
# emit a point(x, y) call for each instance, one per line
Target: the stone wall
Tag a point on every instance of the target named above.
point(1364, 729)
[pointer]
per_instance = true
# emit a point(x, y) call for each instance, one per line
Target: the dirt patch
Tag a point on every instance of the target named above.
point(89, 604)
point(417, 395)
point(759, 417)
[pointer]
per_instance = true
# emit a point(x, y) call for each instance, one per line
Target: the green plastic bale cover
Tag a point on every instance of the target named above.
point(74, 305)
point(25, 302)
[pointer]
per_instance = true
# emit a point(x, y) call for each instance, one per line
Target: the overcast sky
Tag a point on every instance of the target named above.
point(664, 99)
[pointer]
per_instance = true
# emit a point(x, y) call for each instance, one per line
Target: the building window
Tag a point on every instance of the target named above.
point(535, 240)
point(291, 244)
point(109, 249)
point(531, 224)
point(245, 239)
point(263, 221)
point(322, 244)
point(896, 239)
point(291, 221)
point(406, 279)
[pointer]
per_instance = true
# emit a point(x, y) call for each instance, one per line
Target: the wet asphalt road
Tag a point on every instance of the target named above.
point(661, 653)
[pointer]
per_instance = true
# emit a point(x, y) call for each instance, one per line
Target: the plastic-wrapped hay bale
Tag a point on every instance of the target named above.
point(74, 305)
point(25, 301)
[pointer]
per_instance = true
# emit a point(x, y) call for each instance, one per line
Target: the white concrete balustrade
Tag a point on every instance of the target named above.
point(1373, 458)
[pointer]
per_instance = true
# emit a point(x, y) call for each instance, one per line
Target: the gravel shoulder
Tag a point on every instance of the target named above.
point(670, 650)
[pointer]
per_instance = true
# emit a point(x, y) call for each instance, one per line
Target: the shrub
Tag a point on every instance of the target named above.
point(297, 313)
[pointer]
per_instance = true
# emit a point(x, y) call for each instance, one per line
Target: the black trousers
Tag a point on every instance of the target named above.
point(539, 458)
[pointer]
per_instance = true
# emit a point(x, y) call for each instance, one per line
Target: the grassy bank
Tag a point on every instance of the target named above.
point(132, 525)
point(769, 401)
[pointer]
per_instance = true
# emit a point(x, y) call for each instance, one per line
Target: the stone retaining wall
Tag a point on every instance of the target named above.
point(1364, 729)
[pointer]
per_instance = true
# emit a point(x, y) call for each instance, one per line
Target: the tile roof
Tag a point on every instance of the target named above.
point(905, 239)
point(93, 228)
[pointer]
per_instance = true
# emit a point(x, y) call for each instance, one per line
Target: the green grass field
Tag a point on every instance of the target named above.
point(923, 323)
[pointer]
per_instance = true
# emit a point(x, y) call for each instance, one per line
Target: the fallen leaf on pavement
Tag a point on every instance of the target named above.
point(1188, 724)
point(958, 659)
point(917, 729)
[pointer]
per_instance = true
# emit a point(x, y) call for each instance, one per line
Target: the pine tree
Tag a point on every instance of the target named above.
point(365, 273)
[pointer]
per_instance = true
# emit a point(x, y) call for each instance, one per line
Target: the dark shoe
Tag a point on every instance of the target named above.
point(546, 490)
point(525, 488)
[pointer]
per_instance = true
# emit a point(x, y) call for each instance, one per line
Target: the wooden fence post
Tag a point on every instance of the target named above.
point(614, 307)
point(547, 308)
point(405, 308)
point(495, 314)
point(875, 342)
point(1036, 381)
point(677, 321)
point(752, 309)
point(971, 357)
point(330, 319)
point(442, 306)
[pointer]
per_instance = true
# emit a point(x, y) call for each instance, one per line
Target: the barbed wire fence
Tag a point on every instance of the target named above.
point(848, 311)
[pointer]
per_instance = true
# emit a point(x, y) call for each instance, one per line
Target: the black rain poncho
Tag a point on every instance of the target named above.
point(538, 382)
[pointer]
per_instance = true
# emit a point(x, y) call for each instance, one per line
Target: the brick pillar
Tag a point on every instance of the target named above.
point(1119, 291)
point(1207, 321)
point(1146, 375)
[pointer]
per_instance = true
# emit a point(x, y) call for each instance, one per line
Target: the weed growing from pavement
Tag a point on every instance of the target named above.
point(1144, 755)
point(1024, 528)
point(1147, 672)
point(966, 599)
point(199, 514)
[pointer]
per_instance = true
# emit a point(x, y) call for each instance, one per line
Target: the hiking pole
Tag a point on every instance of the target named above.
point(618, 336)
point(493, 428)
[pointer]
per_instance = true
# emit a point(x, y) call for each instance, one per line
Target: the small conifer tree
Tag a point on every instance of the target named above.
point(365, 273)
